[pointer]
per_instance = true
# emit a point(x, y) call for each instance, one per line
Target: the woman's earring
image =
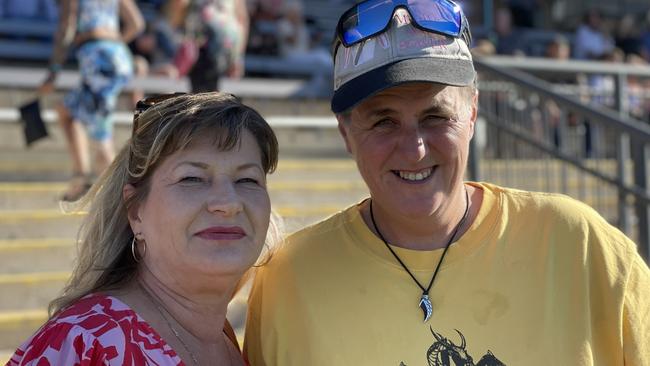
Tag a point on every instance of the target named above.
point(134, 248)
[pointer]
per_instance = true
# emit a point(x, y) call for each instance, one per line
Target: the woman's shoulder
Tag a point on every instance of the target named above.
point(99, 329)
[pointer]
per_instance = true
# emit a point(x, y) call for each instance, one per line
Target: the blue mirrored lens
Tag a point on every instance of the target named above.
point(438, 16)
point(370, 17)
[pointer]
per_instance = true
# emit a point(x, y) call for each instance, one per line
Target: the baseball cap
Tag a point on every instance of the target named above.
point(401, 54)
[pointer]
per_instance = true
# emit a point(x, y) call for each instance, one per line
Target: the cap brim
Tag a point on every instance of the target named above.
point(424, 69)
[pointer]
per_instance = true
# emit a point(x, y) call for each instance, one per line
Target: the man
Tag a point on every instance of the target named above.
point(431, 270)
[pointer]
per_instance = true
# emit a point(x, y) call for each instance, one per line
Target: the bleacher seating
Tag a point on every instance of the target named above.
point(31, 40)
point(24, 39)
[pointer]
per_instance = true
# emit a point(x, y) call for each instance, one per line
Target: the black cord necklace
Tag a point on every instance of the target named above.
point(425, 302)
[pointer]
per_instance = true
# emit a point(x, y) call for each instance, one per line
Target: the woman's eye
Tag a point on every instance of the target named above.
point(248, 180)
point(191, 179)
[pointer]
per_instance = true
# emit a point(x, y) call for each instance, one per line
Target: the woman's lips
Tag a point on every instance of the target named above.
point(222, 233)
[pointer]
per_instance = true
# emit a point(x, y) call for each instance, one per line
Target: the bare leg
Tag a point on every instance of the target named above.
point(77, 142)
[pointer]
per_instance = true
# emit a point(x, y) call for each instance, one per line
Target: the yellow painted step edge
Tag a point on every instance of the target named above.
point(20, 319)
point(22, 215)
point(34, 244)
point(32, 278)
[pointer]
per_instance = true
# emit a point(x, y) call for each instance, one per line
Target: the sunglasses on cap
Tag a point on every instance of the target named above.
point(371, 17)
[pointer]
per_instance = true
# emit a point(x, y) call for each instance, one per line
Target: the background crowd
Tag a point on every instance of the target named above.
point(298, 32)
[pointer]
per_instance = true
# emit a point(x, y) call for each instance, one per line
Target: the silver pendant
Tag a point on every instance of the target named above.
point(425, 305)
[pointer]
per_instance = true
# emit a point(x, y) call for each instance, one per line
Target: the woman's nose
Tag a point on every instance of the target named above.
point(225, 200)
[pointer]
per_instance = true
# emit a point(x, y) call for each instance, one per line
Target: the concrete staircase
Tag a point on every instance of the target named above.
point(37, 239)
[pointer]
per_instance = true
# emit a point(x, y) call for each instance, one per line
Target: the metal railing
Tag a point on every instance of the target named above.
point(532, 137)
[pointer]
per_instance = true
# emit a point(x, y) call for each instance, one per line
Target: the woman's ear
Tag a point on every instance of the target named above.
point(133, 213)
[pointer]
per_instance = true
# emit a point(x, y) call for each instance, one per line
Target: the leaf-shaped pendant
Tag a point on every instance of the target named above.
point(425, 305)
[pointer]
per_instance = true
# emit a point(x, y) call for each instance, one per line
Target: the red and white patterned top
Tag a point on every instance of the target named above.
point(96, 330)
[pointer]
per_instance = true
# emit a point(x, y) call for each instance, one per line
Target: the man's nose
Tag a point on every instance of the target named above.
point(413, 144)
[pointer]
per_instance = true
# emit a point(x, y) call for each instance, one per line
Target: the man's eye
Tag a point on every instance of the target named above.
point(434, 120)
point(383, 123)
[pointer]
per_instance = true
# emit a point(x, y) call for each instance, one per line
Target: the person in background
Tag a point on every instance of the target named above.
point(223, 34)
point(524, 12)
point(164, 48)
point(161, 41)
point(627, 37)
point(295, 44)
point(559, 49)
point(645, 38)
point(507, 39)
point(430, 269)
point(174, 227)
point(105, 65)
point(592, 42)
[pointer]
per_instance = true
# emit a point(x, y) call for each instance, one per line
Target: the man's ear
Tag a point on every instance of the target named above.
point(343, 125)
point(473, 114)
point(133, 213)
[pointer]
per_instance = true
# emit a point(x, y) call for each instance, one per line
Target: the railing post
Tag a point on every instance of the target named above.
point(620, 94)
point(640, 157)
point(623, 153)
point(474, 157)
point(622, 157)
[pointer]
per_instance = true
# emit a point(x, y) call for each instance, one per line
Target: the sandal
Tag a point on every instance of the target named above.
point(78, 186)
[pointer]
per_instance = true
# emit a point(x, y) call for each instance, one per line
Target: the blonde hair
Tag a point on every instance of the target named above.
point(104, 259)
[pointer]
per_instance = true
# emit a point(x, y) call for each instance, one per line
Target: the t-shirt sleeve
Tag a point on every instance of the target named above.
point(252, 342)
point(636, 314)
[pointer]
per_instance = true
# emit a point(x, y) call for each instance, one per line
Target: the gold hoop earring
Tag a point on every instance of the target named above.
point(134, 248)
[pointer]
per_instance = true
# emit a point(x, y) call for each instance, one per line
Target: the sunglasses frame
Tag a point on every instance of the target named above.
point(146, 103)
point(463, 33)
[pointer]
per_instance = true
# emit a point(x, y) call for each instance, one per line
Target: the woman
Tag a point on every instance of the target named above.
point(105, 65)
point(174, 226)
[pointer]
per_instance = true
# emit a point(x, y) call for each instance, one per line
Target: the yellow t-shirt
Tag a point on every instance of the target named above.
point(538, 279)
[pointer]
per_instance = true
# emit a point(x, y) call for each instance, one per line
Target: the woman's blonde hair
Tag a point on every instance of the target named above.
point(104, 259)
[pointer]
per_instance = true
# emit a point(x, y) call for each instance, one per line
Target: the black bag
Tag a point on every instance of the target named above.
point(33, 124)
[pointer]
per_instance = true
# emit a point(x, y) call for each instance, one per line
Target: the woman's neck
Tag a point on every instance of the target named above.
point(202, 313)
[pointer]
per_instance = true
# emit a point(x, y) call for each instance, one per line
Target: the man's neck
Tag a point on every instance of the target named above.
point(426, 233)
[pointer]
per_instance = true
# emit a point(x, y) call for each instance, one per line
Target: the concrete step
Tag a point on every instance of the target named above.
point(30, 290)
point(38, 224)
point(36, 255)
point(16, 326)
